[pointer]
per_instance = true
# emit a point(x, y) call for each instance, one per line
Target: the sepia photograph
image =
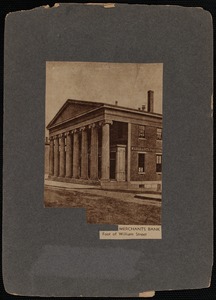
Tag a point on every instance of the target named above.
point(108, 153)
point(103, 140)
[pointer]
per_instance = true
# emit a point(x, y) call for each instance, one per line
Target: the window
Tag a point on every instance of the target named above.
point(141, 162)
point(141, 131)
point(158, 163)
point(159, 133)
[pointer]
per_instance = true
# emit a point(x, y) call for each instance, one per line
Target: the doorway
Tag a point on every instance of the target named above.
point(112, 165)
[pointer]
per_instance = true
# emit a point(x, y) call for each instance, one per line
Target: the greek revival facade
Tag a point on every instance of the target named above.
point(99, 143)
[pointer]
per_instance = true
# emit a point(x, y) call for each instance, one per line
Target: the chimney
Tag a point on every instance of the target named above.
point(116, 102)
point(151, 101)
point(143, 107)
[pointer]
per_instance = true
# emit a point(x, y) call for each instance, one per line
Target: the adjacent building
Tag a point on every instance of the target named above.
point(99, 143)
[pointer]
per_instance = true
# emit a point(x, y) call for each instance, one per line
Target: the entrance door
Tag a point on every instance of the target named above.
point(120, 162)
point(112, 164)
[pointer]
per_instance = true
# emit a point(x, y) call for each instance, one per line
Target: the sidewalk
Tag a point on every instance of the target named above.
point(69, 185)
point(96, 191)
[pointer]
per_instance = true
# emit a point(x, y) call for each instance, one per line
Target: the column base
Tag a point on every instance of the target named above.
point(93, 178)
point(105, 180)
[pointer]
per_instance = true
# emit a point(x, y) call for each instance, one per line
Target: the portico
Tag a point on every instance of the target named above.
point(69, 152)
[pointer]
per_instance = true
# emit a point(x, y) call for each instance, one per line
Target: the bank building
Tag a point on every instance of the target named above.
point(106, 144)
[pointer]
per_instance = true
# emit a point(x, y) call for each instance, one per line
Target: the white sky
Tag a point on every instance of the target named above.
point(126, 83)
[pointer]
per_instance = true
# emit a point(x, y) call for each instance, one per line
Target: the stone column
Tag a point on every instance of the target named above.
point(68, 155)
point(51, 157)
point(56, 157)
point(76, 154)
point(84, 154)
point(94, 152)
point(62, 156)
point(105, 153)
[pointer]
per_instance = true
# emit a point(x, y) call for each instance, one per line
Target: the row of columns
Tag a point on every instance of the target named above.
point(64, 158)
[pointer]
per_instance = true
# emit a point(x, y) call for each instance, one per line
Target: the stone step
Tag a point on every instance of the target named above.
point(74, 180)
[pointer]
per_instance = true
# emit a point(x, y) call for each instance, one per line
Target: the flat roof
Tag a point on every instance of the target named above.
point(113, 106)
point(94, 106)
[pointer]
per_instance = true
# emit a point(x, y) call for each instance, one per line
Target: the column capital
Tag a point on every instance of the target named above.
point(51, 138)
point(104, 122)
point(61, 135)
point(83, 128)
point(67, 133)
point(76, 130)
point(93, 125)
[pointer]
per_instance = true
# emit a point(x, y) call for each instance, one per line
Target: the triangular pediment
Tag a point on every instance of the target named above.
point(71, 109)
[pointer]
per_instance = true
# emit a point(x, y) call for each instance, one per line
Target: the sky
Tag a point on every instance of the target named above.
point(127, 83)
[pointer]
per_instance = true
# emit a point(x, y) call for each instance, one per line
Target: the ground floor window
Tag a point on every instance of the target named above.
point(159, 163)
point(141, 162)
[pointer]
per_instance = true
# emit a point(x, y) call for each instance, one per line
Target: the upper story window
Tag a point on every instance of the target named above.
point(141, 131)
point(159, 133)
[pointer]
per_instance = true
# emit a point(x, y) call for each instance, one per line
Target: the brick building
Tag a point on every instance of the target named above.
point(99, 143)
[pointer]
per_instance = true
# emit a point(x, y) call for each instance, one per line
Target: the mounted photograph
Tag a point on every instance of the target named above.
point(103, 140)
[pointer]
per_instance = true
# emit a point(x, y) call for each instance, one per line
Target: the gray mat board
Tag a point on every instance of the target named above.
point(181, 38)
